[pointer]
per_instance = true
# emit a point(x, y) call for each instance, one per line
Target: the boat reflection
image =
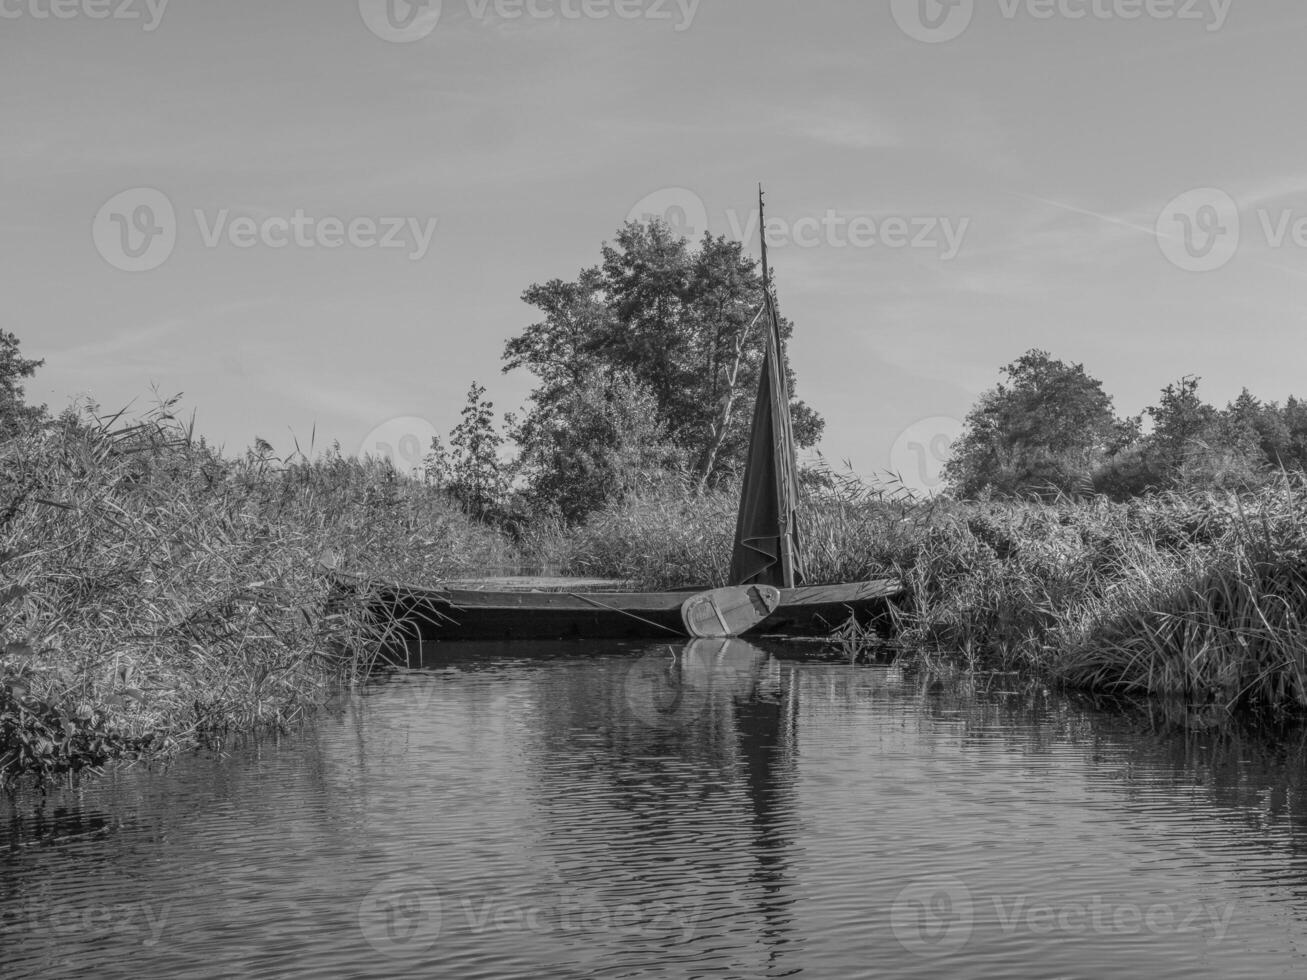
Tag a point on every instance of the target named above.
point(688, 770)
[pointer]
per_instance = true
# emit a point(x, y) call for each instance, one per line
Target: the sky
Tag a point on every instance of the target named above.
point(316, 218)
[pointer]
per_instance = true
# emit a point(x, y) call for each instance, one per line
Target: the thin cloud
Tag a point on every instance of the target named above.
point(1111, 219)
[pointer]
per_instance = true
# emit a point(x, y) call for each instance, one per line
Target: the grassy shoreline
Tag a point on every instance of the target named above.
point(1201, 597)
point(156, 596)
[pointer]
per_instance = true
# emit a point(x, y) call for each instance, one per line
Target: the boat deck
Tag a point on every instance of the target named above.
point(540, 583)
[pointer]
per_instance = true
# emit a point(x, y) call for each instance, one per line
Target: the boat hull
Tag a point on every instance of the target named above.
point(465, 614)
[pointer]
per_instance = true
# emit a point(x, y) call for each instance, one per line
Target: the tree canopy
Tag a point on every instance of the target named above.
point(1045, 429)
point(650, 357)
point(1049, 427)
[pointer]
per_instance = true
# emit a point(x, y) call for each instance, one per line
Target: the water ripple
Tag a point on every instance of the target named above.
point(612, 812)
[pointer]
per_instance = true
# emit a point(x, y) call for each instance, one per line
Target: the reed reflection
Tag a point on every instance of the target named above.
point(1191, 780)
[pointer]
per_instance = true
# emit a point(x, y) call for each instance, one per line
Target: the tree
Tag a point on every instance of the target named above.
point(1277, 432)
point(476, 476)
point(1294, 417)
point(1193, 444)
point(562, 347)
point(1047, 428)
point(1237, 448)
point(1180, 421)
point(13, 369)
point(1258, 427)
point(435, 464)
point(602, 441)
point(680, 321)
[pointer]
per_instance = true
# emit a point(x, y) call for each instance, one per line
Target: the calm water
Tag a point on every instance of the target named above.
point(611, 811)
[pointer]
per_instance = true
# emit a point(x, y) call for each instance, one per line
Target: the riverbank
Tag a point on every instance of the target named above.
point(1201, 597)
point(156, 595)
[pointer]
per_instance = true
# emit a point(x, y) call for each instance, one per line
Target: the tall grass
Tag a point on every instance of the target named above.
point(1224, 620)
point(1199, 596)
point(665, 538)
point(155, 595)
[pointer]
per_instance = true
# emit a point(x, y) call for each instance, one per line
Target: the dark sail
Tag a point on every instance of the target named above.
point(766, 539)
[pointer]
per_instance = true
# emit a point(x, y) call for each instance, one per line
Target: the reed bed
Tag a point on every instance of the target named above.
point(155, 595)
point(1197, 596)
point(1223, 621)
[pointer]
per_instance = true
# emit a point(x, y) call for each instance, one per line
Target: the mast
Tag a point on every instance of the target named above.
point(785, 440)
point(766, 550)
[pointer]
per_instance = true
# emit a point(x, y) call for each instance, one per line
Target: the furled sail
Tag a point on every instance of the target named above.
point(766, 537)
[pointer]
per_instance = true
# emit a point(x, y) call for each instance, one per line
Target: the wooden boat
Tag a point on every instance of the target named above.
point(767, 593)
point(433, 615)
